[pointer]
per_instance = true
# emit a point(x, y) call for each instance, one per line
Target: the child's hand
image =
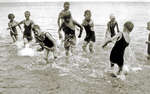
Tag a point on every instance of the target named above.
point(7, 28)
point(104, 45)
point(146, 42)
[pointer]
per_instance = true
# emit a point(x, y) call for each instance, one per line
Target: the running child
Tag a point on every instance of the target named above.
point(46, 41)
point(68, 26)
point(28, 24)
point(110, 32)
point(90, 34)
point(12, 26)
point(122, 41)
point(63, 12)
point(148, 42)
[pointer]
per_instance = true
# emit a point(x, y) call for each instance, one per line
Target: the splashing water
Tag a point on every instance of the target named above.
point(27, 51)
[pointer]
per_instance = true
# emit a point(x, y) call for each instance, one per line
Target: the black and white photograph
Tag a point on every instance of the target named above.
point(74, 47)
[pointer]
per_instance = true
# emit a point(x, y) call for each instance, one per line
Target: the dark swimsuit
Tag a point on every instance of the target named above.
point(112, 29)
point(117, 53)
point(69, 33)
point(90, 35)
point(14, 30)
point(148, 50)
point(48, 42)
point(27, 32)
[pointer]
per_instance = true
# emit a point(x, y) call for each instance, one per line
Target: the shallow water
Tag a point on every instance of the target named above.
point(23, 70)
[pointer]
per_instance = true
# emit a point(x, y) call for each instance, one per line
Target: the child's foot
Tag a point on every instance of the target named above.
point(113, 75)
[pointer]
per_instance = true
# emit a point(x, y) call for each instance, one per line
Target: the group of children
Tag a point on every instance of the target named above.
point(67, 24)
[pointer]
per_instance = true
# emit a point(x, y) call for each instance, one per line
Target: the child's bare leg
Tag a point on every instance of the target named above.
point(72, 50)
point(16, 37)
point(67, 52)
point(91, 47)
point(112, 66)
point(13, 37)
point(54, 53)
point(67, 47)
point(47, 53)
point(85, 46)
point(120, 69)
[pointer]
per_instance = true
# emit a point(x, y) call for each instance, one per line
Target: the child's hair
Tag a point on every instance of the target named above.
point(112, 16)
point(11, 15)
point(66, 3)
point(129, 25)
point(87, 11)
point(35, 26)
point(27, 12)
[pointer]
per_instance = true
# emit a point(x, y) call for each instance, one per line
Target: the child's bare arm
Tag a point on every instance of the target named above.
point(112, 39)
point(81, 28)
point(108, 26)
point(147, 42)
point(59, 31)
point(58, 20)
point(117, 27)
point(10, 28)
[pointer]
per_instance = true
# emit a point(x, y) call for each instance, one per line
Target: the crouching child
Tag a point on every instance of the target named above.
point(46, 41)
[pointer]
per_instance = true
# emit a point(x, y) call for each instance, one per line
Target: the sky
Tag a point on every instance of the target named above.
point(72, 0)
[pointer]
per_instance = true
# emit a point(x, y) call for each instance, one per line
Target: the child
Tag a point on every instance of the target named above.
point(123, 40)
point(62, 13)
point(68, 27)
point(46, 41)
point(148, 42)
point(111, 27)
point(28, 24)
point(90, 34)
point(12, 26)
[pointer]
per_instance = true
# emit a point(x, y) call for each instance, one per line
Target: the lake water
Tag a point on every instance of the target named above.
point(85, 72)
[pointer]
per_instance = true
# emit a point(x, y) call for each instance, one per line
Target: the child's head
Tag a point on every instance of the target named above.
point(128, 26)
point(36, 30)
point(148, 26)
point(67, 17)
point(11, 16)
point(66, 6)
point(112, 18)
point(27, 14)
point(87, 14)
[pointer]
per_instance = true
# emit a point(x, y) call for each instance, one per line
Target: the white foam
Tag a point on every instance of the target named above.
point(19, 44)
point(136, 69)
point(126, 69)
point(122, 77)
point(26, 51)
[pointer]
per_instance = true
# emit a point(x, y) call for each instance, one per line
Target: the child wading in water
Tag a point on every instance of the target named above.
point(28, 24)
point(12, 26)
point(148, 42)
point(62, 13)
point(123, 40)
point(110, 32)
point(90, 34)
point(68, 27)
point(45, 40)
